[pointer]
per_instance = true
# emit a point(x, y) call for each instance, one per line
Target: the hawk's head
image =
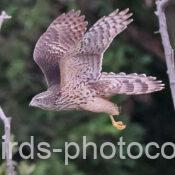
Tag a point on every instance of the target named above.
point(52, 99)
point(45, 100)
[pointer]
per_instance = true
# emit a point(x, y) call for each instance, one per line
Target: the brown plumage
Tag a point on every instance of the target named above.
point(71, 60)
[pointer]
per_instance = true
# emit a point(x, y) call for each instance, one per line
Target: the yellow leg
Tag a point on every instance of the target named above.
point(119, 125)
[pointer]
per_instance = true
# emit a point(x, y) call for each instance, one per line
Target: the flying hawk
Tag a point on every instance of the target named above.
point(71, 59)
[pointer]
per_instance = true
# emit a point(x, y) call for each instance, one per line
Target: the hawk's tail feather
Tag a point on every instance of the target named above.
point(131, 83)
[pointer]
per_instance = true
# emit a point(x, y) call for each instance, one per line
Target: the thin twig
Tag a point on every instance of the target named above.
point(6, 121)
point(3, 16)
point(169, 52)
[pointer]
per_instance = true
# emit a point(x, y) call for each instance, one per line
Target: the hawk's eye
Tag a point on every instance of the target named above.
point(37, 99)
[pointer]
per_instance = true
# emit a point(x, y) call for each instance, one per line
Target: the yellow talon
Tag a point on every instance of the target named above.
point(119, 125)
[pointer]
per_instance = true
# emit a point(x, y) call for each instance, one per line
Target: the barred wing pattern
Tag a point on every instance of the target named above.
point(61, 39)
point(72, 61)
point(110, 84)
point(98, 39)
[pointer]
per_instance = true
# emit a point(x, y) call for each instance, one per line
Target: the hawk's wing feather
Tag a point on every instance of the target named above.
point(99, 37)
point(61, 39)
point(59, 47)
point(111, 84)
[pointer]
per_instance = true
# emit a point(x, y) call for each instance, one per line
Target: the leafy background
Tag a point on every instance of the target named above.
point(138, 49)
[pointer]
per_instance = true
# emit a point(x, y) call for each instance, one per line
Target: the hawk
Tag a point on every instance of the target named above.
point(71, 60)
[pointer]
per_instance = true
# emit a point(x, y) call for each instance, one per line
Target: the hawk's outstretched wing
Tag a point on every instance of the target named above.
point(111, 84)
point(98, 39)
point(64, 49)
point(61, 39)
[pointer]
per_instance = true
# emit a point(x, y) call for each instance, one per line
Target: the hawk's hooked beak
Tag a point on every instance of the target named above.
point(32, 103)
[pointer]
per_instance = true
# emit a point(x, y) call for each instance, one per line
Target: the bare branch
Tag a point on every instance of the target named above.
point(169, 52)
point(3, 16)
point(6, 120)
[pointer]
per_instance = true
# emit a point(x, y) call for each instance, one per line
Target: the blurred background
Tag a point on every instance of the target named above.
point(149, 118)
